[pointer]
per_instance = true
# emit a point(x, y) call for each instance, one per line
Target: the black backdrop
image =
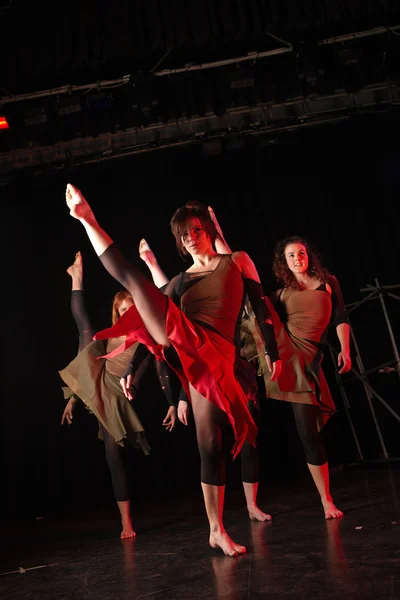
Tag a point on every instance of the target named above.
point(336, 186)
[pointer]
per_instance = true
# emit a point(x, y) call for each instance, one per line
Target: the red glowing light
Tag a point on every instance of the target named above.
point(3, 123)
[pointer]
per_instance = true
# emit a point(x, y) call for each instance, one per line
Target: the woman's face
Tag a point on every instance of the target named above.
point(194, 239)
point(124, 305)
point(296, 258)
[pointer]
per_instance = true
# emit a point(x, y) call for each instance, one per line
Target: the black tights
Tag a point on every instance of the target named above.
point(78, 309)
point(211, 423)
point(214, 438)
point(249, 461)
point(116, 460)
point(306, 417)
point(115, 454)
point(150, 302)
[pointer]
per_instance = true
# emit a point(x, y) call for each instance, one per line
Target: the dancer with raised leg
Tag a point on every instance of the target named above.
point(245, 374)
point(96, 382)
point(198, 341)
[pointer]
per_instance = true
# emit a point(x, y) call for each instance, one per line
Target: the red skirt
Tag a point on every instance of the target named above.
point(207, 359)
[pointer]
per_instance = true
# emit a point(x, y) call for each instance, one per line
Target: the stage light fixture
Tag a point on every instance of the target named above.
point(68, 106)
point(3, 122)
point(35, 116)
point(242, 79)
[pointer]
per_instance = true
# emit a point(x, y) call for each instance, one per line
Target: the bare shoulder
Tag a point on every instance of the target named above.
point(245, 265)
point(241, 258)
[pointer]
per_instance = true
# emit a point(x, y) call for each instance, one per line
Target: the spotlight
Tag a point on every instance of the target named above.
point(3, 122)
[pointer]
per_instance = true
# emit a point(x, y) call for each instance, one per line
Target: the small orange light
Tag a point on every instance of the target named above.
point(3, 123)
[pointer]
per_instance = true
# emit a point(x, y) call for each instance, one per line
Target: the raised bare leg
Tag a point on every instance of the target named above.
point(149, 301)
point(78, 308)
point(76, 272)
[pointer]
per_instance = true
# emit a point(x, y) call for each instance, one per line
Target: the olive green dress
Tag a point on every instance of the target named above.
point(95, 380)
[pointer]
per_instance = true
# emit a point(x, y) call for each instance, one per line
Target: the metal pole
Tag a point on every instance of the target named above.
point(250, 56)
point(363, 378)
point(389, 326)
point(346, 405)
point(357, 304)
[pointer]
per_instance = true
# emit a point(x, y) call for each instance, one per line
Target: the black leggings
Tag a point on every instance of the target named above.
point(214, 439)
point(85, 328)
point(116, 459)
point(115, 454)
point(306, 417)
point(250, 466)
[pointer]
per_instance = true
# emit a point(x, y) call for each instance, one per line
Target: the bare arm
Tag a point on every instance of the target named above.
point(221, 244)
point(343, 333)
point(340, 320)
point(149, 258)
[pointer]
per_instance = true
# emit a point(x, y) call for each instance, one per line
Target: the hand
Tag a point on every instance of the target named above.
point(146, 253)
point(126, 385)
point(274, 368)
point(67, 414)
point(215, 221)
point(183, 411)
point(345, 360)
point(78, 206)
point(170, 419)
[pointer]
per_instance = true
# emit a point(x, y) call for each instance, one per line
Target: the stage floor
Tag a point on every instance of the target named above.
point(297, 555)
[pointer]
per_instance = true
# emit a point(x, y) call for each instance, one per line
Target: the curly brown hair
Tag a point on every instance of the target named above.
point(192, 210)
point(284, 274)
point(118, 298)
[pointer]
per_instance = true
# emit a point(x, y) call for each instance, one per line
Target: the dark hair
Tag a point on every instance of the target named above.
point(118, 299)
point(192, 210)
point(280, 267)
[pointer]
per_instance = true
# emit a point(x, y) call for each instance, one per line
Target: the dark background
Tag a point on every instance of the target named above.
point(338, 186)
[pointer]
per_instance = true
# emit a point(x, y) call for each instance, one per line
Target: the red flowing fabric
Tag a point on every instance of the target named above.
point(207, 361)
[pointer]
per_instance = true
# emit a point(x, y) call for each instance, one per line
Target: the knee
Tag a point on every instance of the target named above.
point(210, 448)
point(315, 452)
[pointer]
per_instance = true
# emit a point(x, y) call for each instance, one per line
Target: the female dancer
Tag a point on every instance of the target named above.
point(96, 383)
point(197, 341)
point(244, 373)
point(308, 303)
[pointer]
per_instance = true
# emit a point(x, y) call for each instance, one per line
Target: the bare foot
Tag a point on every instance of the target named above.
point(220, 539)
point(331, 511)
point(76, 269)
point(256, 514)
point(77, 204)
point(127, 532)
point(146, 253)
